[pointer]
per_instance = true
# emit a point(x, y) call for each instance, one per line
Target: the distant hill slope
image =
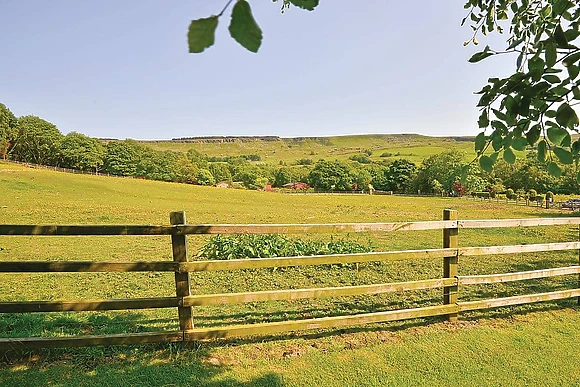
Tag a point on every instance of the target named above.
point(273, 149)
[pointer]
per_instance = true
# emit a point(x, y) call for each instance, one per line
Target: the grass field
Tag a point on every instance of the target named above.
point(510, 346)
point(409, 146)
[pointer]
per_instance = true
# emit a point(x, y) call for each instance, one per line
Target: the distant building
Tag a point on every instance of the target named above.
point(296, 185)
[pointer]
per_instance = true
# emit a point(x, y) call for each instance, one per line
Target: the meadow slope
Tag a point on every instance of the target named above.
point(413, 147)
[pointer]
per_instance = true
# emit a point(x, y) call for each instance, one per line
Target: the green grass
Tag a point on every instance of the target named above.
point(514, 345)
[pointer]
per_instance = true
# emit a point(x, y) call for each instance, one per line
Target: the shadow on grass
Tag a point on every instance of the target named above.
point(81, 323)
point(125, 366)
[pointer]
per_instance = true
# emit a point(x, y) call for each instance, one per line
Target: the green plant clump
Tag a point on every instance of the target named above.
point(510, 194)
point(225, 247)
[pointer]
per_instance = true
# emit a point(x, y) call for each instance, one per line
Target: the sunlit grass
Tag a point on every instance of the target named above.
point(472, 350)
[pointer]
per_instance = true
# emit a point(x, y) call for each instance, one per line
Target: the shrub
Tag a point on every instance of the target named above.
point(483, 194)
point(386, 154)
point(361, 158)
point(510, 194)
point(224, 247)
point(550, 196)
point(532, 194)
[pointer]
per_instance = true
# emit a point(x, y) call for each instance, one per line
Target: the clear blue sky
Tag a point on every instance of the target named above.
point(122, 69)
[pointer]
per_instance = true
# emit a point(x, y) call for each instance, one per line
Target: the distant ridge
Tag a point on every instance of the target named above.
point(219, 139)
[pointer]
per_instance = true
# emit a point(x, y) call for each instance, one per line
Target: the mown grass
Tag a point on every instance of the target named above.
point(492, 347)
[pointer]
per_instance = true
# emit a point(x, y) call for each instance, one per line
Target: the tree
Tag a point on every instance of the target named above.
point(220, 171)
point(36, 141)
point(399, 175)
point(252, 176)
point(331, 176)
point(121, 158)
point(77, 151)
point(204, 177)
point(535, 105)
point(283, 176)
point(361, 179)
point(7, 130)
point(443, 168)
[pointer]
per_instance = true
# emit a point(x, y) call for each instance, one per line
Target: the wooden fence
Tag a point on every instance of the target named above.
point(184, 301)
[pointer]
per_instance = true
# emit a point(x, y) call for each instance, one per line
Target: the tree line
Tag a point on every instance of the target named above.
point(34, 140)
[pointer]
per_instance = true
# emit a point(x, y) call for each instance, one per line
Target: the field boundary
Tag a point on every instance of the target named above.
point(184, 301)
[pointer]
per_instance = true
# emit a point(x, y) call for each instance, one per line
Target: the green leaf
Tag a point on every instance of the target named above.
point(305, 4)
point(560, 37)
point(509, 156)
point(578, 177)
point(542, 151)
point(486, 163)
point(480, 142)
point(201, 34)
point(552, 78)
point(243, 28)
point(571, 59)
point(566, 116)
point(483, 121)
point(556, 134)
point(499, 125)
point(533, 135)
point(563, 155)
point(554, 169)
point(479, 56)
point(536, 67)
point(524, 106)
point(551, 54)
point(567, 141)
point(575, 147)
point(519, 144)
point(573, 71)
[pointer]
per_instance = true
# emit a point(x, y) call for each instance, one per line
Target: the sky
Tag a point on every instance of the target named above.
point(121, 69)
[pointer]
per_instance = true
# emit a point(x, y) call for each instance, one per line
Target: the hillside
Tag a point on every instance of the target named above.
point(274, 150)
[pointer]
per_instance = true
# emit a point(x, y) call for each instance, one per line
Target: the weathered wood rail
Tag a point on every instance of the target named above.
point(184, 301)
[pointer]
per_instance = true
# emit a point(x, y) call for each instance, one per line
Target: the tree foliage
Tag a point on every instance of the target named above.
point(535, 105)
point(7, 129)
point(36, 141)
point(81, 152)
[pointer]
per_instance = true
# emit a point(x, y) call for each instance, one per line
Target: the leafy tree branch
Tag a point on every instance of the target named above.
point(243, 27)
point(534, 106)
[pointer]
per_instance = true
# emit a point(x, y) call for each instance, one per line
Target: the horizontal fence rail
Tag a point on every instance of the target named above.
point(184, 301)
point(203, 229)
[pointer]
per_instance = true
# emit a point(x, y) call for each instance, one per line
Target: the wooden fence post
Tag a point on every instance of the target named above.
point(182, 284)
point(450, 262)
